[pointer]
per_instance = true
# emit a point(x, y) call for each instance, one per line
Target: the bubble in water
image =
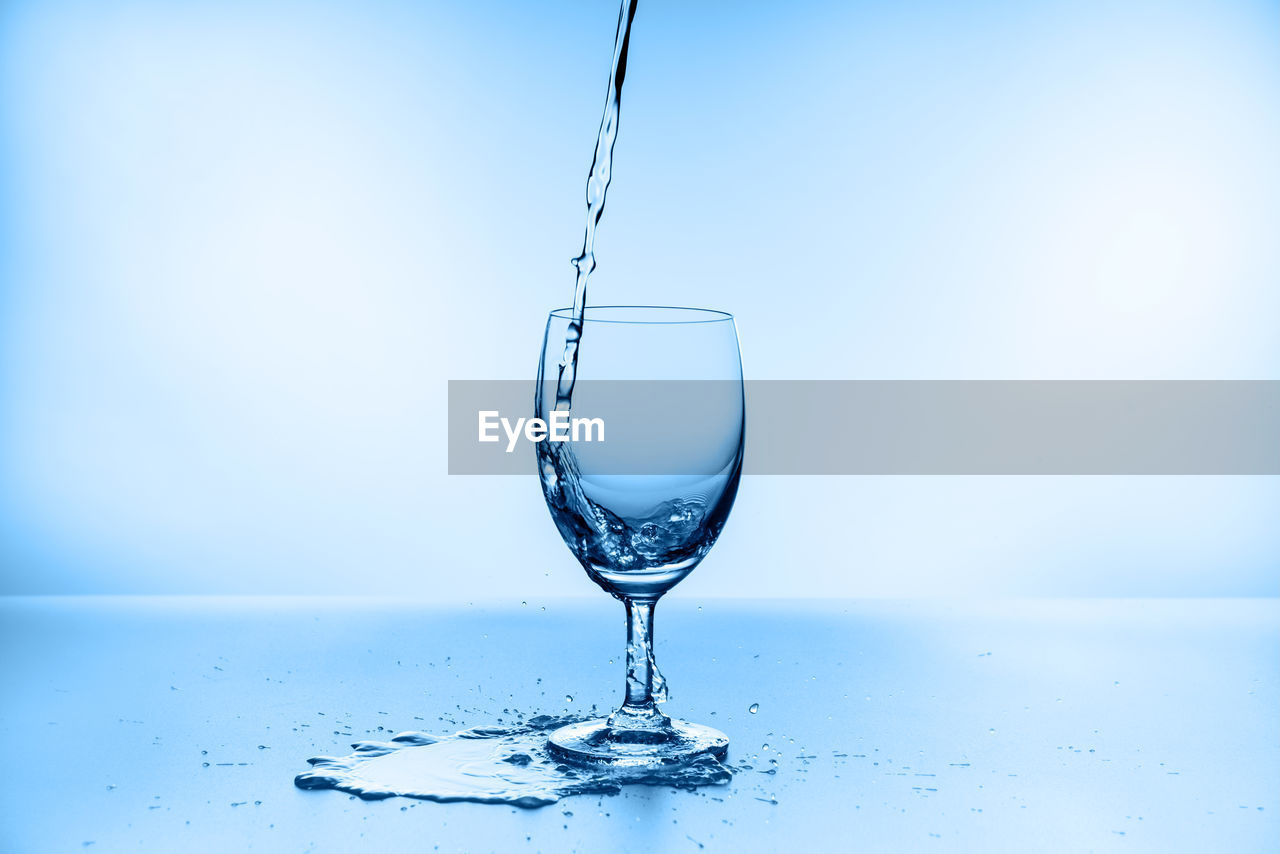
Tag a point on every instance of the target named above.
point(755, 707)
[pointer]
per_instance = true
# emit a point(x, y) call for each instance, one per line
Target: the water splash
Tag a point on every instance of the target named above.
point(490, 765)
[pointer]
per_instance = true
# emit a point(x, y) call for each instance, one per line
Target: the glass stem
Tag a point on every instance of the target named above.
point(640, 710)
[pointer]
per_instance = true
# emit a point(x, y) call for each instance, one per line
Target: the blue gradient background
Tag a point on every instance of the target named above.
point(244, 246)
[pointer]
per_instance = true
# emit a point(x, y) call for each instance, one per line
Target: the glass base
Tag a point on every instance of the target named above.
point(596, 743)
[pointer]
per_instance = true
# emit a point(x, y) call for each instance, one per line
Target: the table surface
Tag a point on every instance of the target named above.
point(1071, 725)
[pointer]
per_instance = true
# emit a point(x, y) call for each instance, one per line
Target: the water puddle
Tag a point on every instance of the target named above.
point(490, 765)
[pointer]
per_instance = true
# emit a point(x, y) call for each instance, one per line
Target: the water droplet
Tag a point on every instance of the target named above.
point(755, 707)
point(764, 746)
point(568, 698)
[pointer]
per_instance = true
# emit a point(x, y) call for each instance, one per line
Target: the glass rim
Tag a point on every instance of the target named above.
point(693, 315)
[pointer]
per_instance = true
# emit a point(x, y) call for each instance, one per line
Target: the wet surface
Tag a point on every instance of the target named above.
point(493, 765)
point(179, 724)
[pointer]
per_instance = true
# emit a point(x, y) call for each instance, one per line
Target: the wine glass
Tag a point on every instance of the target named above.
point(641, 508)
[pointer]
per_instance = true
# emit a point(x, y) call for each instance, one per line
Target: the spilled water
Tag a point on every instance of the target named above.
point(491, 765)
